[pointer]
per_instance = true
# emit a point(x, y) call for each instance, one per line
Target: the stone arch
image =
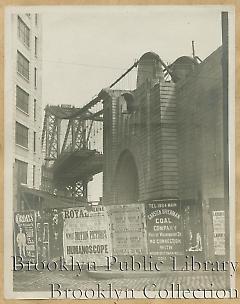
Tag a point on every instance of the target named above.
point(128, 103)
point(126, 179)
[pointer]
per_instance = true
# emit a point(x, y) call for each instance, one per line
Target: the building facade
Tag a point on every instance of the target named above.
point(26, 99)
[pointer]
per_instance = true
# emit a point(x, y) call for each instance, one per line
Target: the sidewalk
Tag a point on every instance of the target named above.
point(40, 281)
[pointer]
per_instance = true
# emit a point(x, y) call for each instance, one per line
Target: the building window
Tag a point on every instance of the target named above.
point(35, 109)
point(36, 46)
point(36, 19)
point(21, 172)
point(23, 32)
point(33, 177)
point(34, 141)
point(35, 77)
point(22, 99)
point(22, 65)
point(21, 135)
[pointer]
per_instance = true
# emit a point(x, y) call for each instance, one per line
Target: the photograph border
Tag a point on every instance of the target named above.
point(233, 154)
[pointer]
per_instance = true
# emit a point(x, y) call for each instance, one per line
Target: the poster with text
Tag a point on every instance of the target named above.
point(128, 229)
point(86, 235)
point(164, 228)
point(25, 235)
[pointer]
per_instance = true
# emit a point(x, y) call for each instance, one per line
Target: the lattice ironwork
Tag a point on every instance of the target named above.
point(50, 137)
point(68, 130)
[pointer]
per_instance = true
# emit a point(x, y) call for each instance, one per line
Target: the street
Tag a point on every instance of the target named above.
point(23, 281)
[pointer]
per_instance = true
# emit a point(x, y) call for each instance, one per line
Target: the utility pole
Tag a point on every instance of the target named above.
point(225, 131)
point(193, 49)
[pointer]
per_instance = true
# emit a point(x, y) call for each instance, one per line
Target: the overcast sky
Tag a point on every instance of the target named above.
point(86, 48)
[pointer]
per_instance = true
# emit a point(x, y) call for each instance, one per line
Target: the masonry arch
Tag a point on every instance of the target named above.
point(126, 181)
point(128, 103)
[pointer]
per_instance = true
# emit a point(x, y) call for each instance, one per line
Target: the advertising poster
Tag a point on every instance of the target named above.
point(219, 232)
point(86, 235)
point(128, 229)
point(192, 227)
point(25, 235)
point(164, 228)
point(50, 233)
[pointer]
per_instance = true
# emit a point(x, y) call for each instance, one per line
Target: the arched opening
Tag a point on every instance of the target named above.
point(128, 103)
point(95, 190)
point(126, 180)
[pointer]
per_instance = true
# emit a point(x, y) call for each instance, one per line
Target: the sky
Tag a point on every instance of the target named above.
point(85, 49)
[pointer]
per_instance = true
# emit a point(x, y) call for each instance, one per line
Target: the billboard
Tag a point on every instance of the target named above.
point(128, 229)
point(164, 228)
point(219, 232)
point(25, 235)
point(86, 234)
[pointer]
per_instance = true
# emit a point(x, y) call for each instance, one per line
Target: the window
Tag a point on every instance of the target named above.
point(21, 135)
point(34, 141)
point(21, 168)
point(33, 177)
point(36, 19)
point(22, 65)
point(36, 46)
point(23, 32)
point(35, 109)
point(35, 77)
point(22, 99)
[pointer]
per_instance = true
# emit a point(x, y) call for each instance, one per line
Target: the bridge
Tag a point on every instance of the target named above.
point(139, 138)
point(72, 147)
point(72, 141)
point(161, 141)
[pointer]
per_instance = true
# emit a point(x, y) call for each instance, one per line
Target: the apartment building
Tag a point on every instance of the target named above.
point(27, 101)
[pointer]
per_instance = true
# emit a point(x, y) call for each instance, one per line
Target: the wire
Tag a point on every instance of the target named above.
point(89, 65)
point(84, 64)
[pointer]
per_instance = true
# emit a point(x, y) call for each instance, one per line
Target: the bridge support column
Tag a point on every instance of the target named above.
point(85, 189)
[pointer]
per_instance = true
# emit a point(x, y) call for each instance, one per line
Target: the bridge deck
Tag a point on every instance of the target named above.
point(77, 165)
